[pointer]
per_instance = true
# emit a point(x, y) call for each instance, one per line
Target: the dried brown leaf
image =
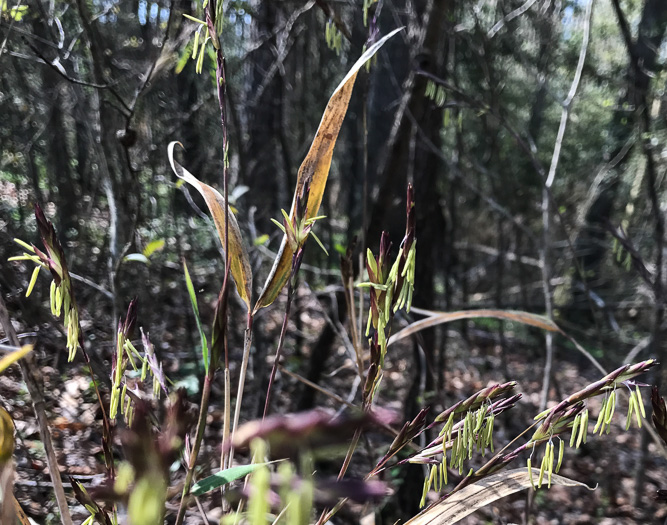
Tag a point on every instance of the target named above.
point(478, 495)
point(315, 170)
point(238, 256)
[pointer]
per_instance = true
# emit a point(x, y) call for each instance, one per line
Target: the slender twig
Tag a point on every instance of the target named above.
point(296, 261)
point(92, 284)
point(27, 365)
point(509, 17)
point(546, 203)
point(58, 68)
point(206, 392)
point(242, 376)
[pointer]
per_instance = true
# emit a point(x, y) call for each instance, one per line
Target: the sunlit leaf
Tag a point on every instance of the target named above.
point(262, 239)
point(154, 246)
point(478, 495)
point(136, 257)
point(14, 356)
point(238, 257)
point(17, 12)
point(224, 477)
point(315, 170)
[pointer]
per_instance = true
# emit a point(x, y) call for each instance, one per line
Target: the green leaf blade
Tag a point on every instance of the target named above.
point(224, 477)
point(195, 309)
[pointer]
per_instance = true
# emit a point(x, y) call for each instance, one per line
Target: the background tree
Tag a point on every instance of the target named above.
point(465, 104)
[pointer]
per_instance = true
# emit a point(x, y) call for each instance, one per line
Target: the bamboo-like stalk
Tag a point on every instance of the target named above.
point(29, 376)
point(199, 435)
point(296, 262)
point(239, 394)
point(221, 84)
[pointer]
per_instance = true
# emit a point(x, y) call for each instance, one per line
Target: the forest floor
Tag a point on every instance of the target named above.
point(607, 463)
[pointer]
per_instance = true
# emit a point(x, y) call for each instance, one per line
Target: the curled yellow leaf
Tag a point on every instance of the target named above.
point(238, 257)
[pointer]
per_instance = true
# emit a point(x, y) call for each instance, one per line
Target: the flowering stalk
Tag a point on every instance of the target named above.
point(63, 301)
point(123, 356)
point(53, 259)
point(390, 289)
point(569, 414)
point(213, 28)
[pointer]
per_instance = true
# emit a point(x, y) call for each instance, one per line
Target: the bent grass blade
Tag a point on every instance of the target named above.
point(238, 256)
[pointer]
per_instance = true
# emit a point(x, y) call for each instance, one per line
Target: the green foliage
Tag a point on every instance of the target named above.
point(224, 477)
point(195, 310)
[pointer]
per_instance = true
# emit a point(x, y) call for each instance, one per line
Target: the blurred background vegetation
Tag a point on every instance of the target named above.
point(466, 103)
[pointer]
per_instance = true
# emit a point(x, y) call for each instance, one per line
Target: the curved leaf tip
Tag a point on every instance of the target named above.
point(238, 256)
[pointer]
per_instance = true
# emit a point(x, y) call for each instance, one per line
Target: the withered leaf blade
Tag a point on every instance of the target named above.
point(238, 256)
point(539, 321)
point(478, 495)
point(437, 318)
point(315, 170)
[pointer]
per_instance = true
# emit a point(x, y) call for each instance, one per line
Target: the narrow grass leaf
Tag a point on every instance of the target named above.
point(195, 309)
point(315, 170)
point(223, 477)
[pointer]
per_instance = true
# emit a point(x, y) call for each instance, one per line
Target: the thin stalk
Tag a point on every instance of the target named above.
point(201, 427)
point(350, 453)
point(546, 201)
point(296, 262)
point(206, 393)
point(226, 426)
point(26, 364)
point(239, 394)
